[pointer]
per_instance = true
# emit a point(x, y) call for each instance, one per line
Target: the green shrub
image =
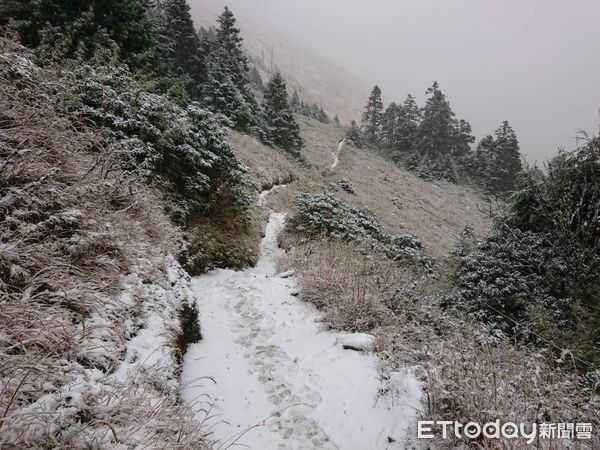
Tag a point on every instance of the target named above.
point(184, 148)
point(320, 214)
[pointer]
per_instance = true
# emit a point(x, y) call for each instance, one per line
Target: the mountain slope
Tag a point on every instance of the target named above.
point(434, 212)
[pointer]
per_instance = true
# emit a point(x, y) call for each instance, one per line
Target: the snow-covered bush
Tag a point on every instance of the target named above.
point(326, 214)
point(537, 275)
point(508, 274)
point(184, 148)
point(346, 185)
point(564, 200)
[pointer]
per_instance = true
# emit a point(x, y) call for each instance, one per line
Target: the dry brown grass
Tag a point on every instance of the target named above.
point(353, 289)
point(71, 226)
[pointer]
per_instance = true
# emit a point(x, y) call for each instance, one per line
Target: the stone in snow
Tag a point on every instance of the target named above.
point(356, 341)
point(287, 274)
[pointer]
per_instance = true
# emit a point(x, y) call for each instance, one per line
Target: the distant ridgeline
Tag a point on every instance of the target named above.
point(437, 145)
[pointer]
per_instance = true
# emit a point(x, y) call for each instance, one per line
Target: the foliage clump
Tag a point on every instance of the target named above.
point(184, 149)
point(325, 214)
point(346, 185)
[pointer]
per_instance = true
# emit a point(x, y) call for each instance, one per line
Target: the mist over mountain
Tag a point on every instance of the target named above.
point(534, 63)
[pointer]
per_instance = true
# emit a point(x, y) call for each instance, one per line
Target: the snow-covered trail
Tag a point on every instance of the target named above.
point(336, 153)
point(279, 380)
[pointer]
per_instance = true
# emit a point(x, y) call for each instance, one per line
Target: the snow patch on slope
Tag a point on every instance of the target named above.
point(336, 153)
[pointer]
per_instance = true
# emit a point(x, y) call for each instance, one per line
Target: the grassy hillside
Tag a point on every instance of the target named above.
point(435, 213)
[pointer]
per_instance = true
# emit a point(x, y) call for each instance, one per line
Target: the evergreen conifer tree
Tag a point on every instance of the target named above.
point(226, 90)
point(295, 102)
point(434, 136)
point(389, 125)
point(232, 55)
point(462, 138)
point(496, 163)
point(354, 135)
point(255, 79)
point(372, 117)
point(505, 163)
point(283, 128)
point(408, 124)
point(187, 54)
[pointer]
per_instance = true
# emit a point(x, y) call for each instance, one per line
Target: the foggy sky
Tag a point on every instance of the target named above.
point(535, 63)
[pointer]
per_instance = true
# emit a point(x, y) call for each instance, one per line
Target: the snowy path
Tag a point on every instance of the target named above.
point(274, 367)
point(336, 153)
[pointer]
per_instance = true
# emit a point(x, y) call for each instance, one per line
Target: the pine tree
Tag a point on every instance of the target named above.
point(229, 42)
point(479, 162)
point(226, 90)
point(505, 163)
point(435, 134)
point(496, 163)
point(295, 103)
point(221, 95)
point(372, 117)
point(284, 130)
point(354, 135)
point(462, 138)
point(408, 124)
point(389, 125)
point(255, 79)
point(187, 55)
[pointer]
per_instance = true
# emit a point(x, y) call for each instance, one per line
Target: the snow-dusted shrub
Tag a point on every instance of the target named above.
point(527, 285)
point(182, 147)
point(537, 275)
point(564, 200)
point(397, 203)
point(346, 185)
point(326, 214)
point(507, 274)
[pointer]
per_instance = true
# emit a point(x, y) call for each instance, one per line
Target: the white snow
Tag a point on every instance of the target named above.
point(356, 341)
point(274, 379)
point(262, 197)
point(336, 153)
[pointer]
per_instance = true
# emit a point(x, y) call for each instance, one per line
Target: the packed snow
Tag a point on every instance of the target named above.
point(272, 378)
point(336, 153)
point(356, 341)
point(262, 197)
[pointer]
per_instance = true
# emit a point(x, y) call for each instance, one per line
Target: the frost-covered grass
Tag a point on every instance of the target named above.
point(89, 298)
point(354, 289)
